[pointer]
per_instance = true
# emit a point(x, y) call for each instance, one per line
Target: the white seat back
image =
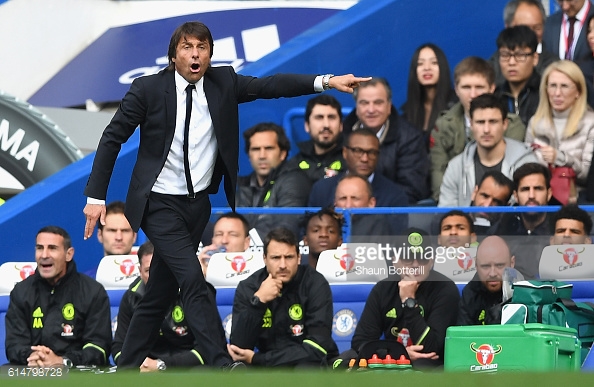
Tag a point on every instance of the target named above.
point(354, 262)
point(117, 271)
point(12, 273)
point(227, 269)
point(567, 262)
point(459, 267)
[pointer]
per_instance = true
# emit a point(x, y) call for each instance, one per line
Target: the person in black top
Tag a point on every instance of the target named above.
point(320, 157)
point(414, 305)
point(283, 309)
point(57, 316)
point(527, 233)
point(482, 296)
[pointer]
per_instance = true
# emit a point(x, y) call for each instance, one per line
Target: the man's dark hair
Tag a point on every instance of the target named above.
point(115, 207)
point(517, 37)
point(573, 212)
point(509, 12)
point(145, 249)
point(323, 99)
point(474, 65)
point(235, 215)
point(372, 82)
point(457, 213)
point(281, 235)
point(309, 215)
point(500, 179)
point(283, 142)
point(366, 132)
point(531, 169)
point(194, 29)
point(489, 101)
point(58, 231)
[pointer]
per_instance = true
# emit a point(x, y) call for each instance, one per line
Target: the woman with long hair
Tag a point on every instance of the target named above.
point(430, 88)
point(561, 131)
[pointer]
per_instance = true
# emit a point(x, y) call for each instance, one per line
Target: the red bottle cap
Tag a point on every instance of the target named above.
point(389, 360)
point(403, 360)
point(374, 360)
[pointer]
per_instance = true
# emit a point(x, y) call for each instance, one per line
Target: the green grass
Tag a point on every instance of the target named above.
point(307, 378)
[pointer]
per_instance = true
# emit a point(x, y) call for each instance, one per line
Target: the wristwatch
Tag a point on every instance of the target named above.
point(255, 301)
point(409, 303)
point(326, 81)
point(66, 362)
point(161, 366)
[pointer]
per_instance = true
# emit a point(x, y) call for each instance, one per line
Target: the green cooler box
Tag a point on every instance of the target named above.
point(513, 347)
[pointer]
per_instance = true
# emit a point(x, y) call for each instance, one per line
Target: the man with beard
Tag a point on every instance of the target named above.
point(528, 232)
point(323, 231)
point(481, 298)
point(494, 190)
point(489, 152)
point(283, 309)
point(321, 155)
point(272, 183)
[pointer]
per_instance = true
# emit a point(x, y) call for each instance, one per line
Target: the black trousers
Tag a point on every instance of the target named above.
point(174, 224)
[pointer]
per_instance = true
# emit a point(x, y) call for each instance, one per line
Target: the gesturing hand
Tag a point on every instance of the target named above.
point(93, 212)
point(346, 83)
point(269, 289)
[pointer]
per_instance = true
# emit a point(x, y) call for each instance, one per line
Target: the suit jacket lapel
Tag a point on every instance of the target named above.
point(213, 97)
point(170, 111)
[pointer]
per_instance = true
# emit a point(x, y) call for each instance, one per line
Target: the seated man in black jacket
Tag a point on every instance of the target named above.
point(273, 183)
point(482, 297)
point(57, 316)
point(403, 155)
point(414, 305)
point(175, 345)
point(284, 310)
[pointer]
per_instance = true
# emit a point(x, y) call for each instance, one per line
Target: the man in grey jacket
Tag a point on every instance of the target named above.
point(489, 151)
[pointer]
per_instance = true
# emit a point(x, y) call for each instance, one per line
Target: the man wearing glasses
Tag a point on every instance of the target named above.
point(488, 152)
point(403, 158)
point(361, 154)
point(565, 31)
point(518, 59)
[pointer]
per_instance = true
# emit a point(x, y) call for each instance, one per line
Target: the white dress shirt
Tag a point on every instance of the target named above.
point(577, 28)
point(202, 144)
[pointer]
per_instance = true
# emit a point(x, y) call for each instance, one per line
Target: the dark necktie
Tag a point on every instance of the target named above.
point(189, 184)
point(568, 55)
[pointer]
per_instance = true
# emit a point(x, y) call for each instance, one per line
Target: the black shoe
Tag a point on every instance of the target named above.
point(235, 366)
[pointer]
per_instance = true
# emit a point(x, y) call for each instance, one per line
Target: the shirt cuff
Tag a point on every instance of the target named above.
point(258, 359)
point(318, 87)
point(95, 201)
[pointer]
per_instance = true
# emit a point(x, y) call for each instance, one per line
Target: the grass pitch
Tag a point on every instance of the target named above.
point(306, 378)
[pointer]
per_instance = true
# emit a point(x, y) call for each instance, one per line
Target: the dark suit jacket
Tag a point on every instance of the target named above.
point(552, 33)
point(151, 103)
point(386, 192)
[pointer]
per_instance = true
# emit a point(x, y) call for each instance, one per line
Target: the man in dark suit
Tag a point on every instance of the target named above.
point(188, 117)
point(558, 35)
point(361, 153)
